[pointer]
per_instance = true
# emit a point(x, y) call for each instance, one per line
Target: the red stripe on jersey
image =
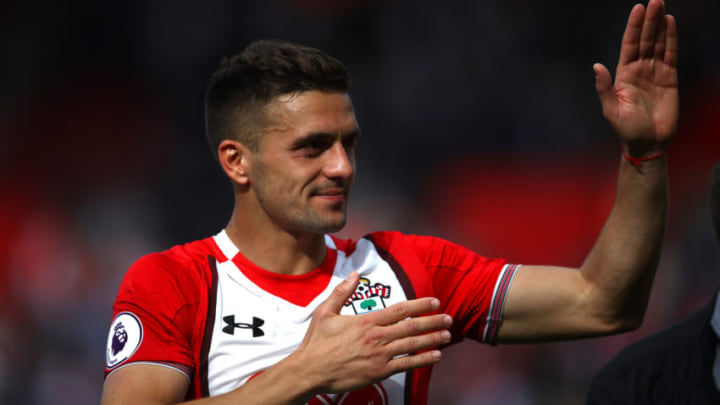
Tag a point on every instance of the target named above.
point(298, 289)
point(416, 284)
point(463, 281)
point(173, 294)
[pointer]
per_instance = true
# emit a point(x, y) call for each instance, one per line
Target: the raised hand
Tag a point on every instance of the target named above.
point(642, 104)
point(347, 352)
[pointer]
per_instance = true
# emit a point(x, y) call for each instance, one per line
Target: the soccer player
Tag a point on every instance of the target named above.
point(273, 310)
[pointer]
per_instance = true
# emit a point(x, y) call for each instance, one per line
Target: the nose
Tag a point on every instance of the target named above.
point(341, 162)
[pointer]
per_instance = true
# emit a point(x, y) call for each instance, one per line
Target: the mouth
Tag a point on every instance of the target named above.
point(335, 194)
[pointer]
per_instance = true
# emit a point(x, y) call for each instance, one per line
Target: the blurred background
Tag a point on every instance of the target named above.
point(480, 124)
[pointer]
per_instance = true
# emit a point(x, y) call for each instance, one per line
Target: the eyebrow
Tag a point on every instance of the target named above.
point(321, 136)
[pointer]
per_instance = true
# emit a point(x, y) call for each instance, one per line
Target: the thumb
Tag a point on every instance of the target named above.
point(605, 90)
point(341, 293)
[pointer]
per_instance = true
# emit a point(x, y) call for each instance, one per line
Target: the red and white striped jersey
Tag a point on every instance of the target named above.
point(205, 310)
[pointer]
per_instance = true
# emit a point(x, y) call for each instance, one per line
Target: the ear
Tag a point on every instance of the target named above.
point(234, 159)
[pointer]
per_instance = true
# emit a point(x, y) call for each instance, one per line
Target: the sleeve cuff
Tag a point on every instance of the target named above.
point(497, 304)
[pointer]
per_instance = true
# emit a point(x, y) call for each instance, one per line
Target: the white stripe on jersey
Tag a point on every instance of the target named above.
point(242, 350)
point(226, 245)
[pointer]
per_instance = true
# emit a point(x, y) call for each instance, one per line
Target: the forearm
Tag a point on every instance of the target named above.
point(283, 384)
point(610, 292)
point(621, 266)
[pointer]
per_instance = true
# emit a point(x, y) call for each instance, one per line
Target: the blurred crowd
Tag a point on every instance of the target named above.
point(480, 124)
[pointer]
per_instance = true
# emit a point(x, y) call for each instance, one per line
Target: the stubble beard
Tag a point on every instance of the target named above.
point(315, 224)
point(310, 221)
point(301, 218)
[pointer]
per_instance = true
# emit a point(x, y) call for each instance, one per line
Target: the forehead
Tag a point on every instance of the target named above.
point(312, 111)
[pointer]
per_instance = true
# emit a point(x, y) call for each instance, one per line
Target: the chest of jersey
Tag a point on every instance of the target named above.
point(254, 329)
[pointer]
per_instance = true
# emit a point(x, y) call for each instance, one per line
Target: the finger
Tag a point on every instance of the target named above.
point(651, 27)
point(401, 310)
point(671, 42)
point(413, 361)
point(630, 48)
point(417, 326)
point(340, 295)
point(416, 344)
point(660, 41)
point(605, 90)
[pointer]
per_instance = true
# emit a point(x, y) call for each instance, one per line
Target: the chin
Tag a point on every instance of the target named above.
point(332, 227)
point(316, 227)
point(329, 226)
point(316, 223)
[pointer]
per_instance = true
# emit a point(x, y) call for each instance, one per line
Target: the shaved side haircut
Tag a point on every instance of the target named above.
point(245, 84)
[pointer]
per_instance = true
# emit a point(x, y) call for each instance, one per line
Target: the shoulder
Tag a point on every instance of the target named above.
point(180, 268)
point(431, 250)
point(400, 245)
point(391, 239)
point(383, 240)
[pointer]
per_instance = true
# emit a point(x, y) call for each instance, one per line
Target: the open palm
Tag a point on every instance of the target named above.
point(642, 104)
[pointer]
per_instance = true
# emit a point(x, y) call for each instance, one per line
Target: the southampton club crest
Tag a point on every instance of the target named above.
point(368, 297)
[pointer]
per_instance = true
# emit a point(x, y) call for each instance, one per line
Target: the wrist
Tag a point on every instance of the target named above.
point(641, 150)
point(636, 155)
point(307, 383)
point(284, 383)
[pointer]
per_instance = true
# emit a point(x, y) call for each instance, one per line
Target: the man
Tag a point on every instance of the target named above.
point(259, 312)
point(679, 365)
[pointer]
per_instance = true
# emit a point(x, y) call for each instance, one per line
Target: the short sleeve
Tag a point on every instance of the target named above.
point(154, 314)
point(471, 287)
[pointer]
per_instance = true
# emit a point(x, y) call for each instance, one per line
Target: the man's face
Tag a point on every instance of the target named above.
point(305, 162)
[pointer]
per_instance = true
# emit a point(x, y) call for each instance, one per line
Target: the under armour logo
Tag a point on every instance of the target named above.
point(255, 326)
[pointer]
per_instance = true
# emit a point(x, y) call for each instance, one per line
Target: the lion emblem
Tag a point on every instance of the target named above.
point(119, 338)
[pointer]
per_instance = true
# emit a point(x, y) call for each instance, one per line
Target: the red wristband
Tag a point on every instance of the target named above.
point(638, 161)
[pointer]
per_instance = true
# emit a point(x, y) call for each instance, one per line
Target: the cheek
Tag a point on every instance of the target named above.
point(286, 177)
point(302, 177)
point(280, 187)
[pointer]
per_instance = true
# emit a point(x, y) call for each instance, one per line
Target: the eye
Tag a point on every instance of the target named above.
point(350, 142)
point(314, 146)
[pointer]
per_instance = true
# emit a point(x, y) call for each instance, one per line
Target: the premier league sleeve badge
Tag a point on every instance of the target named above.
point(124, 339)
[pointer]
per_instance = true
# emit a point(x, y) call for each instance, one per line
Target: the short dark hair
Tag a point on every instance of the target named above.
point(246, 83)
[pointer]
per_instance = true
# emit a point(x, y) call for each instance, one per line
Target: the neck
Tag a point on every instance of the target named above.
point(275, 249)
